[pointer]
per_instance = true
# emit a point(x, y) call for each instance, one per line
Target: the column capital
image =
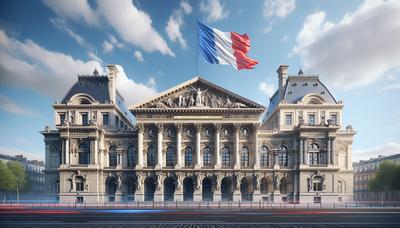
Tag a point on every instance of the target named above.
point(140, 127)
point(179, 127)
point(217, 127)
point(198, 126)
point(236, 127)
point(160, 127)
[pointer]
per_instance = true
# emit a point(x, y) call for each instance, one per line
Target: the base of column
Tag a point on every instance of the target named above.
point(277, 197)
point(158, 196)
point(178, 196)
point(197, 166)
point(138, 166)
point(197, 196)
point(256, 196)
point(118, 197)
point(217, 166)
point(158, 166)
point(217, 197)
point(256, 167)
point(178, 166)
point(236, 166)
point(139, 196)
point(237, 195)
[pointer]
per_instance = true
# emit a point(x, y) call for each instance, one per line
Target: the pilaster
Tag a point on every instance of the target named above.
point(160, 129)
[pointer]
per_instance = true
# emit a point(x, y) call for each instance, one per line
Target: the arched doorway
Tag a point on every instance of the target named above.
point(169, 189)
point(207, 191)
point(188, 189)
point(247, 188)
point(130, 188)
point(266, 185)
point(226, 189)
point(149, 189)
point(111, 185)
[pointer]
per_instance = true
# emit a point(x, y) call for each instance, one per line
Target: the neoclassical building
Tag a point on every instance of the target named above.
point(199, 142)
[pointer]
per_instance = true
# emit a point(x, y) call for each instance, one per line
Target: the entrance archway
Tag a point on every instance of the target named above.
point(130, 188)
point(169, 189)
point(226, 189)
point(207, 191)
point(266, 185)
point(111, 188)
point(149, 188)
point(188, 189)
point(247, 188)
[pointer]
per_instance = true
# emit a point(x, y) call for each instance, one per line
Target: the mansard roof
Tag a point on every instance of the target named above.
point(96, 86)
point(168, 100)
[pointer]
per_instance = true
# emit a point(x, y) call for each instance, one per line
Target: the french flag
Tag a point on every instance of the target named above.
point(227, 48)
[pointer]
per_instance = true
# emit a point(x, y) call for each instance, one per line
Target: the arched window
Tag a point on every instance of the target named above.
point(318, 184)
point(131, 156)
point(170, 156)
point(79, 183)
point(207, 156)
point(244, 157)
point(314, 155)
point(264, 156)
point(112, 156)
point(84, 153)
point(226, 156)
point(188, 156)
point(283, 156)
point(151, 156)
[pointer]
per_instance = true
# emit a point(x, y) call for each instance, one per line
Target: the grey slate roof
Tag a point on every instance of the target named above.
point(93, 85)
point(298, 87)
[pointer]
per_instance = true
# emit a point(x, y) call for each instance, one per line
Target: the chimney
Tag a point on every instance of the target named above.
point(282, 75)
point(112, 84)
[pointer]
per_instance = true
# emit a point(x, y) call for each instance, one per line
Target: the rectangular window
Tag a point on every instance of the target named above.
point(85, 120)
point(105, 118)
point(79, 186)
point(62, 117)
point(244, 160)
point(207, 159)
point(288, 119)
point(334, 118)
point(317, 187)
point(311, 119)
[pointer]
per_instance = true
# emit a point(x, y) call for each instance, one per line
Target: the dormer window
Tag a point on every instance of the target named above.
point(85, 120)
point(311, 119)
point(62, 117)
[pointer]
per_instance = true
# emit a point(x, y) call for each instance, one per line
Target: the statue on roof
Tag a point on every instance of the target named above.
point(199, 96)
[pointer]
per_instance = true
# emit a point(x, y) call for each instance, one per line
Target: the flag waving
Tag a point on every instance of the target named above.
point(225, 48)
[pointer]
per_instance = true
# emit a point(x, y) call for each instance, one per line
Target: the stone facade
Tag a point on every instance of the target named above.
point(198, 141)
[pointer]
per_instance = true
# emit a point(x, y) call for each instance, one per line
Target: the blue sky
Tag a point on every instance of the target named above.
point(352, 45)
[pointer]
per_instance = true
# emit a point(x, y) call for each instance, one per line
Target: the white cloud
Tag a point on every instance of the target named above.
point(392, 87)
point(110, 44)
point(76, 10)
point(285, 38)
point(387, 149)
point(132, 91)
point(29, 155)
point(138, 56)
point(267, 88)
point(391, 77)
point(151, 82)
point(357, 50)
point(115, 42)
point(8, 105)
point(61, 25)
point(107, 46)
point(175, 23)
point(278, 8)
point(94, 57)
point(214, 9)
point(27, 64)
point(133, 25)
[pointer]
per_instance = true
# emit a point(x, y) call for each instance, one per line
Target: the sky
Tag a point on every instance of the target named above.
point(352, 45)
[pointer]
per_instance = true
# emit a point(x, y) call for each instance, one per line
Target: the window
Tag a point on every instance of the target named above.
point(79, 184)
point(79, 199)
point(151, 156)
point(283, 156)
point(84, 153)
point(85, 120)
point(315, 156)
point(244, 157)
point(170, 156)
point(62, 118)
point(188, 156)
point(105, 118)
point(288, 119)
point(116, 121)
point(264, 156)
point(317, 184)
point(226, 156)
point(131, 156)
point(112, 156)
point(334, 118)
point(311, 119)
point(207, 156)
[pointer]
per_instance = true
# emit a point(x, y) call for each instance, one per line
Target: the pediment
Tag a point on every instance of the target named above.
point(196, 94)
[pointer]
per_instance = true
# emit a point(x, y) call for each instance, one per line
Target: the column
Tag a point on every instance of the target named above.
point(179, 128)
point(305, 152)
point(140, 128)
point(63, 151)
point(301, 152)
point(329, 151)
point(333, 152)
point(236, 128)
point(95, 152)
point(67, 151)
point(159, 193)
point(160, 129)
point(257, 152)
point(217, 129)
point(276, 159)
point(198, 141)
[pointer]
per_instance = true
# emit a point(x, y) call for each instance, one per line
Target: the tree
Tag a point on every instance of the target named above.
point(20, 176)
point(7, 179)
point(387, 177)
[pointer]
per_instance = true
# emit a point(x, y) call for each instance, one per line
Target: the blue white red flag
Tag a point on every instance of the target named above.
point(225, 48)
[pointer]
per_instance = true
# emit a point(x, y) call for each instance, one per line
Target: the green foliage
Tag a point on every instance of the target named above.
point(7, 178)
point(387, 178)
point(20, 177)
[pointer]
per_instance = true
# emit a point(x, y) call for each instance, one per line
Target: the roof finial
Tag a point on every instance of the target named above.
point(95, 72)
point(300, 72)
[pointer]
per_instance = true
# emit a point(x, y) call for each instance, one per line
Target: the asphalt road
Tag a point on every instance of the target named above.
point(26, 217)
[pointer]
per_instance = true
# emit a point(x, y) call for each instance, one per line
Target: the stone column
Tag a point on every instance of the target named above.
point(63, 153)
point(67, 151)
point(139, 192)
point(236, 128)
point(139, 164)
point(236, 186)
point(257, 192)
point(256, 152)
point(217, 130)
point(178, 195)
point(198, 141)
point(334, 160)
point(160, 130)
point(301, 152)
point(305, 152)
point(217, 188)
point(95, 152)
point(276, 159)
point(329, 151)
point(159, 193)
point(179, 128)
point(197, 194)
